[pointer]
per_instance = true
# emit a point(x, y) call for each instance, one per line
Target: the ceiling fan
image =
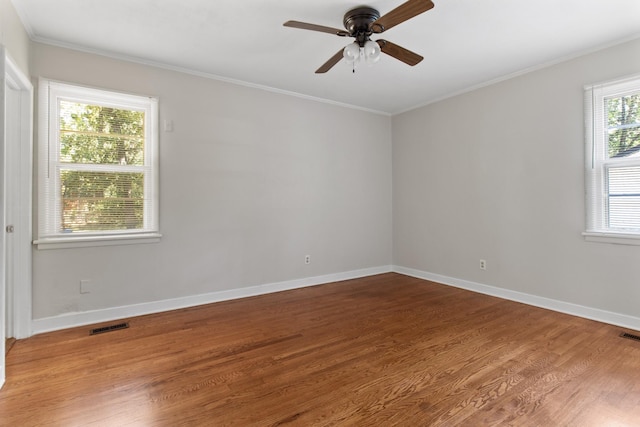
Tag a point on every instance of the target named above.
point(361, 23)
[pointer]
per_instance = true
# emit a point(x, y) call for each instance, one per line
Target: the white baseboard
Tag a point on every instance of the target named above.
point(71, 320)
point(596, 314)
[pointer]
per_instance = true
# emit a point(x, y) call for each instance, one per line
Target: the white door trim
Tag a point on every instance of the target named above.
point(22, 201)
point(16, 200)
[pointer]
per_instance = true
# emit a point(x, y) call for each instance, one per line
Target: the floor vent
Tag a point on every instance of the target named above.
point(630, 336)
point(109, 328)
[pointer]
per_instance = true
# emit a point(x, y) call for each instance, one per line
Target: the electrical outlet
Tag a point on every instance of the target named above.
point(483, 264)
point(307, 259)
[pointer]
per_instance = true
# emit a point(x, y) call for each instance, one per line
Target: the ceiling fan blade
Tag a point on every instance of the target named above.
point(314, 27)
point(400, 14)
point(330, 63)
point(399, 52)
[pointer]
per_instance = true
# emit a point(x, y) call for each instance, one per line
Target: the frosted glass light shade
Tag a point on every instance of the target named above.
point(351, 52)
point(371, 51)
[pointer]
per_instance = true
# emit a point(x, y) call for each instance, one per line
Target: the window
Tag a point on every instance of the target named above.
point(97, 169)
point(613, 161)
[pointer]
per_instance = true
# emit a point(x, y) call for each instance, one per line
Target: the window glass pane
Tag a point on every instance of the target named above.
point(624, 213)
point(96, 201)
point(623, 126)
point(100, 135)
point(624, 197)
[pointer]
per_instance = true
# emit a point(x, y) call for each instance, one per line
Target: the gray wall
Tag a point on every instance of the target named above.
point(13, 36)
point(497, 174)
point(251, 181)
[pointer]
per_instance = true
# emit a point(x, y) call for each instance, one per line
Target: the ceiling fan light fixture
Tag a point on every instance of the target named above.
point(371, 52)
point(362, 22)
point(351, 52)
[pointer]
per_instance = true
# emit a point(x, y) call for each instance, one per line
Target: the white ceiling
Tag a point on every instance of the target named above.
point(465, 43)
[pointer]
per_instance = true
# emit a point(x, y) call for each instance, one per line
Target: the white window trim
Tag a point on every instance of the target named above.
point(596, 229)
point(89, 241)
point(615, 238)
point(48, 152)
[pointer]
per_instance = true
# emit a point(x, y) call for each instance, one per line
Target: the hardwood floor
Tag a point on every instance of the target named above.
point(378, 351)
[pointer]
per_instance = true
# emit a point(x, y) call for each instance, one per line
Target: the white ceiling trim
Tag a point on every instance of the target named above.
point(205, 75)
point(202, 74)
point(521, 73)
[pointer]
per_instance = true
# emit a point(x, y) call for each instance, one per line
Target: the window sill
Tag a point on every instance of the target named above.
point(614, 238)
point(90, 241)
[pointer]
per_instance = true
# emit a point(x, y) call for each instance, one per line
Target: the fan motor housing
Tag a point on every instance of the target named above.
point(358, 20)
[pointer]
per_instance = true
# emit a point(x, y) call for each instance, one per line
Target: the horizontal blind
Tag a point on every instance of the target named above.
point(101, 163)
point(624, 198)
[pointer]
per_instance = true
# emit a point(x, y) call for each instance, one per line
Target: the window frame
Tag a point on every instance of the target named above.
point(49, 207)
point(597, 162)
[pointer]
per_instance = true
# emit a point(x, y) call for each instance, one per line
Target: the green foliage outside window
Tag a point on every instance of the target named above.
point(623, 124)
point(96, 198)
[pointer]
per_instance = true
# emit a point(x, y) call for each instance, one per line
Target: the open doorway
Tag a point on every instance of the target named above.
point(16, 130)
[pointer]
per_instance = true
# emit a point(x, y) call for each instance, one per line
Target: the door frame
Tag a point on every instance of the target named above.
point(15, 201)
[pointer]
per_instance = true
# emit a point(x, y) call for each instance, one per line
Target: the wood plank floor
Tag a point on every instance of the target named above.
point(379, 351)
